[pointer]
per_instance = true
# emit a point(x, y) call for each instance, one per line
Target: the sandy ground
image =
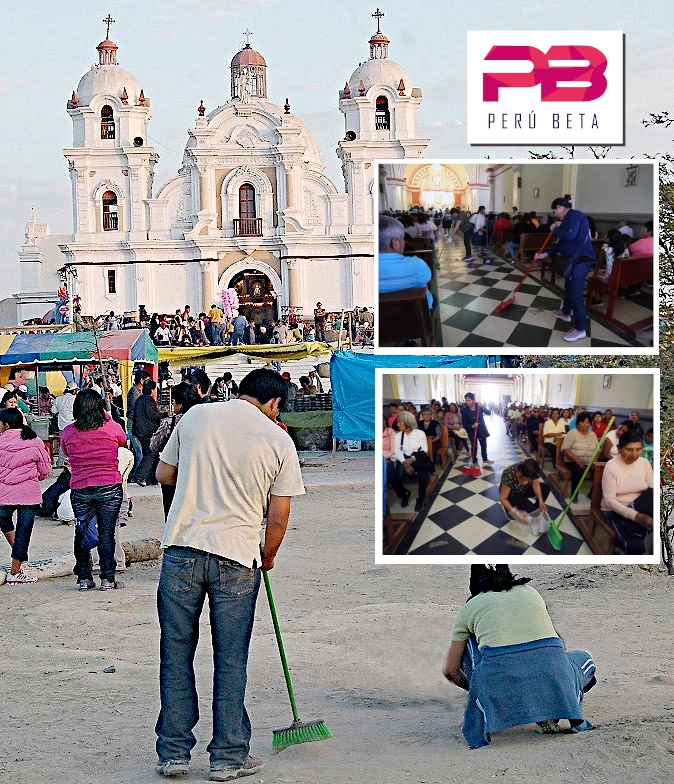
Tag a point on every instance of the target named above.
point(366, 645)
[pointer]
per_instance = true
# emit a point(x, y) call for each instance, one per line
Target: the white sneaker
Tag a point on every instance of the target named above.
point(173, 769)
point(20, 578)
point(251, 766)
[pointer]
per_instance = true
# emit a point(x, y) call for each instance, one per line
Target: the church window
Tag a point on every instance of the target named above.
point(247, 224)
point(107, 123)
point(110, 214)
point(112, 282)
point(382, 116)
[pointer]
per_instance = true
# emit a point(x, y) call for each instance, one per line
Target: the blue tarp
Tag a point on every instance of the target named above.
point(352, 379)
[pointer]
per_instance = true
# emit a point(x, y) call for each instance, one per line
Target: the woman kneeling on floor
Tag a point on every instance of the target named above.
point(520, 484)
point(411, 454)
point(627, 495)
point(506, 653)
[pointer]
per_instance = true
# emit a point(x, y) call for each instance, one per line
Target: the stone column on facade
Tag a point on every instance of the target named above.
point(294, 283)
point(209, 295)
point(204, 195)
point(291, 194)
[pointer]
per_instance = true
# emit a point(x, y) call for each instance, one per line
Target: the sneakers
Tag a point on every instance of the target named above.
point(467, 258)
point(488, 462)
point(251, 766)
point(20, 578)
point(107, 585)
point(173, 769)
point(560, 315)
point(86, 585)
point(574, 334)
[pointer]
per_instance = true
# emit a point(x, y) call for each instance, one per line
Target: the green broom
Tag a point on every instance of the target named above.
point(554, 535)
point(298, 731)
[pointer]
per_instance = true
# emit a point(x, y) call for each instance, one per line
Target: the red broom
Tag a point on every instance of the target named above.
point(470, 470)
point(511, 297)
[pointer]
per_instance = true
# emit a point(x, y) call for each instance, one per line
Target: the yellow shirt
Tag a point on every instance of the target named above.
point(215, 315)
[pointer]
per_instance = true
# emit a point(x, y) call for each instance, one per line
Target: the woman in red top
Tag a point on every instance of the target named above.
point(91, 444)
point(23, 463)
point(598, 424)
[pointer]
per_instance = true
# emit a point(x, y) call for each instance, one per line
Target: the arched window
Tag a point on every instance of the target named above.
point(107, 123)
point(110, 214)
point(382, 116)
point(247, 224)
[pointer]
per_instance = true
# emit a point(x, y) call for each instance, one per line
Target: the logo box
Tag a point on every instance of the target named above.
point(545, 87)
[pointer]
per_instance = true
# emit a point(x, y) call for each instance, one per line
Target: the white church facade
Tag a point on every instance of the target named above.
point(250, 207)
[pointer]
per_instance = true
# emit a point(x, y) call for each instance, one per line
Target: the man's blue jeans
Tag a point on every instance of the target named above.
point(573, 293)
point(238, 336)
point(104, 503)
point(512, 247)
point(137, 450)
point(187, 577)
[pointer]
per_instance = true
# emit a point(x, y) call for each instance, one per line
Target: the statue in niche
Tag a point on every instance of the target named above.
point(243, 85)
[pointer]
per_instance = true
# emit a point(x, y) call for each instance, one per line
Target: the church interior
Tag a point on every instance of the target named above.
point(462, 512)
point(467, 292)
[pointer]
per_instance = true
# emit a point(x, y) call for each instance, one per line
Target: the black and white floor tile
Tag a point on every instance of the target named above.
point(465, 516)
point(469, 293)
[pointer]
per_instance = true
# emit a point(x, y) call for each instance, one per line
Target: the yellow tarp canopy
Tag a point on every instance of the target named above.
point(283, 352)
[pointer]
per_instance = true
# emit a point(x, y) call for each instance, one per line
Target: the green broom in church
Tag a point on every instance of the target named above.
point(299, 731)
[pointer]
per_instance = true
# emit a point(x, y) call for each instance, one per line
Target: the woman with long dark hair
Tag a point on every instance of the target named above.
point(473, 422)
point(506, 653)
point(183, 396)
point(91, 445)
point(24, 462)
point(521, 488)
point(573, 241)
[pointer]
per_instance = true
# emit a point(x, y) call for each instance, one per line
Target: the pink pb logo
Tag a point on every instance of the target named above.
point(549, 77)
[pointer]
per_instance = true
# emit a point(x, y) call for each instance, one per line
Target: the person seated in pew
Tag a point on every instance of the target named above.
point(578, 448)
point(644, 246)
point(636, 424)
point(627, 496)
point(431, 427)
point(412, 458)
point(543, 225)
point(396, 271)
point(506, 653)
point(648, 445)
point(520, 484)
point(610, 448)
point(392, 413)
point(598, 424)
point(533, 423)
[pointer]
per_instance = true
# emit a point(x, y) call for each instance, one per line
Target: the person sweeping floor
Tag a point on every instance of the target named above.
point(225, 484)
point(473, 421)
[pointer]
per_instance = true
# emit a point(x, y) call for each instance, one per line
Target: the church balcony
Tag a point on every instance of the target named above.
point(247, 227)
point(110, 222)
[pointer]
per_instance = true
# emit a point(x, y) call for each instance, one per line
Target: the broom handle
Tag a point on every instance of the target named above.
point(526, 274)
point(587, 468)
point(277, 631)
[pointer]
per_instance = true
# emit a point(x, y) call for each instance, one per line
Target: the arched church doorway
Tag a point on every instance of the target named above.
point(257, 298)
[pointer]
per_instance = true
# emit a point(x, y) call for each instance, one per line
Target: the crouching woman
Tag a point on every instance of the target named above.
point(506, 653)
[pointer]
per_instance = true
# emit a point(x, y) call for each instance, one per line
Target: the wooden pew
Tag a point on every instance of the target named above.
point(561, 476)
point(504, 237)
point(599, 535)
point(626, 271)
point(542, 455)
point(404, 315)
point(421, 247)
point(531, 241)
point(545, 263)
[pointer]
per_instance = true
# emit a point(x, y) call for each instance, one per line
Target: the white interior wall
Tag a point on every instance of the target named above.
point(600, 189)
point(503, 191)
point(387, 388)
point(548, 179)
point(562, 389)
point(628, 391)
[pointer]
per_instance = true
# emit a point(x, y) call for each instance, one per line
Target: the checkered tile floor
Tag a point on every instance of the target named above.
point(466, 517)
point(469, 292)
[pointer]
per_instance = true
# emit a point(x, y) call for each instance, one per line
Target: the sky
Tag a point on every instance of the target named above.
point(180, 50)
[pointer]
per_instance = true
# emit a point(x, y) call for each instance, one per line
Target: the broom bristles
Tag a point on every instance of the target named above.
point(299, 732)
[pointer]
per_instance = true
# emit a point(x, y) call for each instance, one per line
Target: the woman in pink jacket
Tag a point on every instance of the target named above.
point(23, 463)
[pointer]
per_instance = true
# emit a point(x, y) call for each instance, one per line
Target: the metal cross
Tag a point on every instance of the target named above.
point(378, 15)
point(108, 20)
point(247, 34)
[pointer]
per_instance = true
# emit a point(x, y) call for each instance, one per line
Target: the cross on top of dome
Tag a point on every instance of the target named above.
point(378, 15)
point(108, 21)
point(379, 42)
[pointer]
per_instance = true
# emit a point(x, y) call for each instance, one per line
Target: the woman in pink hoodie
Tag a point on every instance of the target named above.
point(23, 463)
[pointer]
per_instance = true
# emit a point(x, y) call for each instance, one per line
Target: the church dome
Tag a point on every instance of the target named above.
point(384, 72)
point(107, 80)
point(248, 56)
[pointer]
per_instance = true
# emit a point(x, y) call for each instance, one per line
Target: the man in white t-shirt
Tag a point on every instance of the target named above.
point(232, 465)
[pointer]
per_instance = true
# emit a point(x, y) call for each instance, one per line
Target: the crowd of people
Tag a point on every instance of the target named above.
point(218, 328)
point(627, 479)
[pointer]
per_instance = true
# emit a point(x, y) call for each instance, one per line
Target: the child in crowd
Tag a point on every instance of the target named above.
point(648, 446)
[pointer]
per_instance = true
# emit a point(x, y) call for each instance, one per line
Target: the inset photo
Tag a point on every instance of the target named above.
point(551, 255)
point(494, 465)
